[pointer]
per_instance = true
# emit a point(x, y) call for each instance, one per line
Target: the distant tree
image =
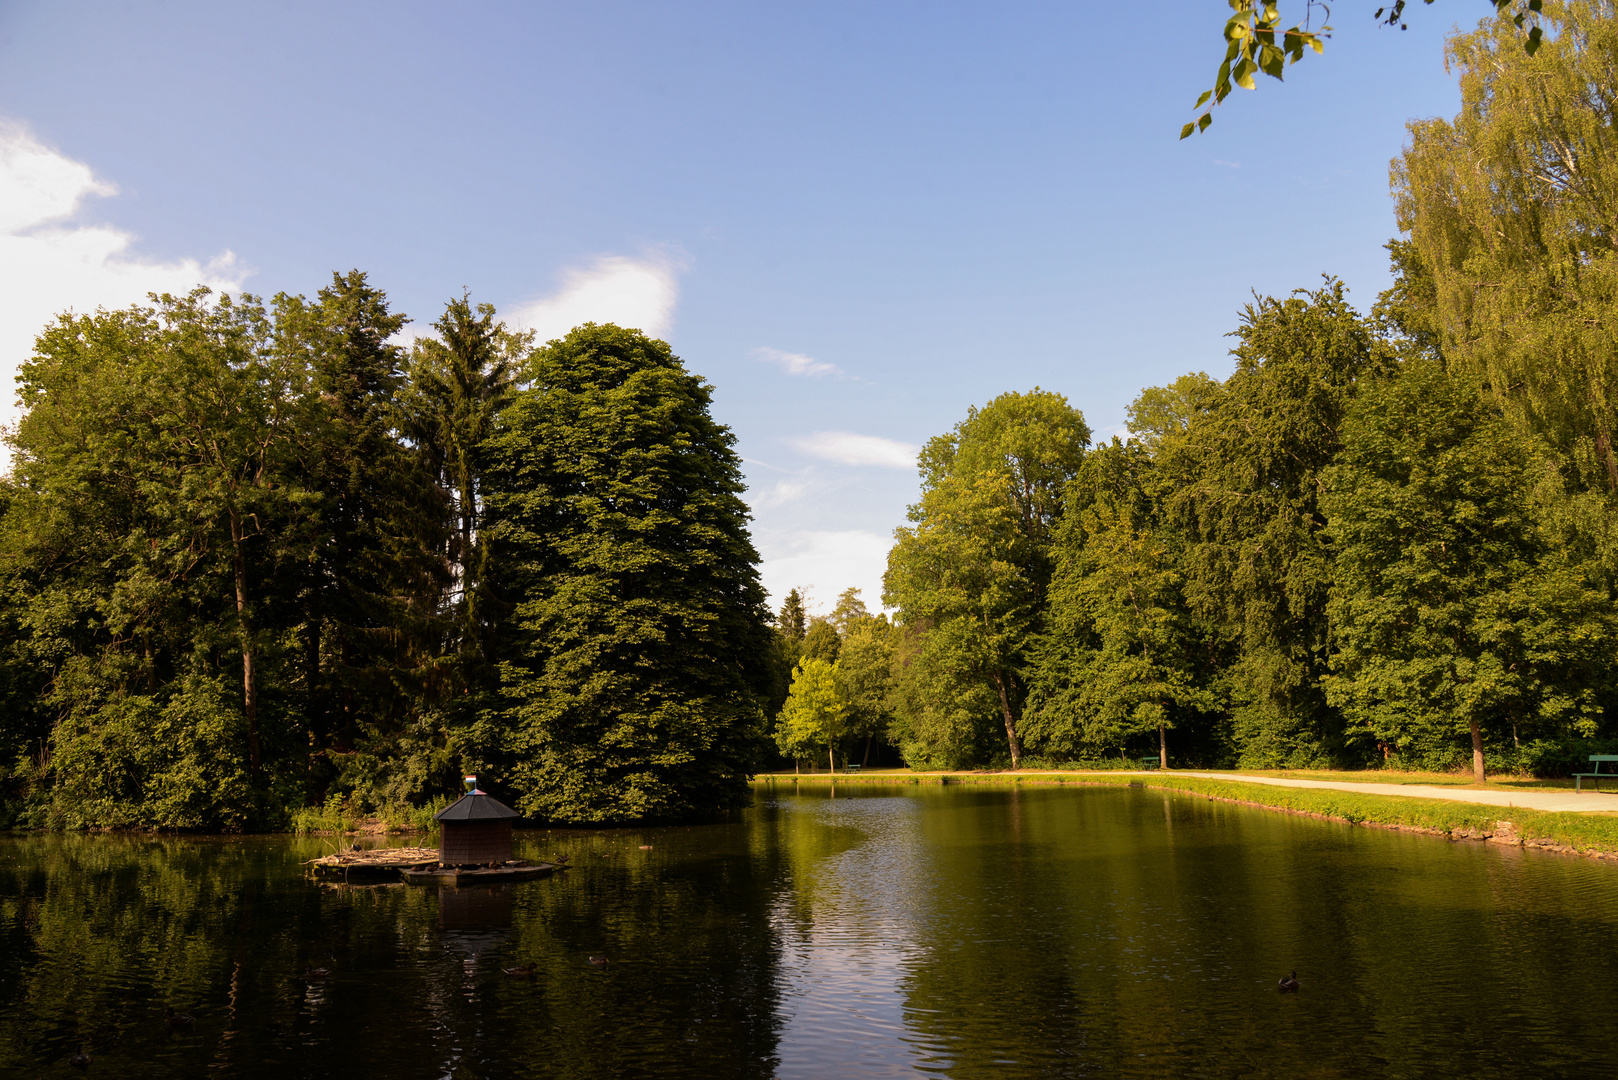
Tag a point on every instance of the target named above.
point(849, 612)
point(791, 622)
point(975, 564)
point(1165, 412)
point(865, 678)
point(632, 657)
point(1124, 655)
point(822, 641)
point(815, 714)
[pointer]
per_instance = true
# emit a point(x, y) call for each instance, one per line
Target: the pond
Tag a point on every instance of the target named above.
point(870, 932)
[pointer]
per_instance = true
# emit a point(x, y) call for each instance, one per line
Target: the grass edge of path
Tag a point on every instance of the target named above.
point(1560, 831)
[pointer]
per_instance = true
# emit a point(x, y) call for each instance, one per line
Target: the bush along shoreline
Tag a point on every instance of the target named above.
point(1587, 834)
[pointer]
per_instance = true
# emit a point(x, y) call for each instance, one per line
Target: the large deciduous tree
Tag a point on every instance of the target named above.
point(975, 564)
point(1244, 483)
point(1124, 655)
point(156, 495)
point(1510, 207)
point(1450, 610)
point(633, 652)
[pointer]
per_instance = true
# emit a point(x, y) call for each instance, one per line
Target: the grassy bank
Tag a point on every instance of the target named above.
point(1584, 834)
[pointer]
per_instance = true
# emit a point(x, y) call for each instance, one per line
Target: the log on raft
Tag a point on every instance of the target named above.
point(375, 862)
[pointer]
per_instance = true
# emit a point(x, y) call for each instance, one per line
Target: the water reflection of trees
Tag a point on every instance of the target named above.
point(102, 932)
point(1133, 934)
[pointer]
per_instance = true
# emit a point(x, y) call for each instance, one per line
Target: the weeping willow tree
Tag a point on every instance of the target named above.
point(1512, 207)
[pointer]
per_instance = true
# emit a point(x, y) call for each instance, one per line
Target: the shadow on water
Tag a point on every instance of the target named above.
point(962, 932)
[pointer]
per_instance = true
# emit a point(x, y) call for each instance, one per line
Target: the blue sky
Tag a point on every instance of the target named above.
point(854, 220)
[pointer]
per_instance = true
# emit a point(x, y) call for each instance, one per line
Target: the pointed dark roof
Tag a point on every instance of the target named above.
point(475, 806)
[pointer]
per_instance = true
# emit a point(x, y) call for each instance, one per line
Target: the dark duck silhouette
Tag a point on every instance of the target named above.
point(1289, 985)
point(521, 972)
point(598, 961)
point(316, 973)
point(80, 1060)
point(177, 1019)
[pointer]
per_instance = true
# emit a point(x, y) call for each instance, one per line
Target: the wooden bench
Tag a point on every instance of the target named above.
point(850, 768)
point(1596, 774)
point(1154, 763)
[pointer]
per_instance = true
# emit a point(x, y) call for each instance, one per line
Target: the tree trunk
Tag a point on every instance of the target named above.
point(866, 760)
point(249, 679)
point(831, 760)
point(311, 682)
point(1477, 752)
point(1162, 747)
point(1011, 721)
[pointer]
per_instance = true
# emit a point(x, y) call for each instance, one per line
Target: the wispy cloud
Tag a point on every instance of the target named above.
point(848, 448)
point(635, 293)
point(781, 493)
point(49, 265)
point(823, 564)
point(796, 363)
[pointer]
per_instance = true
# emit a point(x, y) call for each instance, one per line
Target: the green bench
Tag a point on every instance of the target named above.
point(1596, 774)
point(847, 768)
point(1154, 762)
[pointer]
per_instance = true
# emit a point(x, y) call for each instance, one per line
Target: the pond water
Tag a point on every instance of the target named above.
point(960, 931)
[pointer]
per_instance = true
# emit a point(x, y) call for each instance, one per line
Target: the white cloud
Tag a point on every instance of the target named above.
point(782, 492)
point(823, 564)
point(637, 294)
point(48, 265)
point(847, 448)
point(796, 363)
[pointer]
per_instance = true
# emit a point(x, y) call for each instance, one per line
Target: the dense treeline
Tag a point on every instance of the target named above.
point(1383, 539)
point(258, 557)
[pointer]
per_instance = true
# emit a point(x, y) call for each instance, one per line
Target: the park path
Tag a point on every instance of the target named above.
point(1584, 801)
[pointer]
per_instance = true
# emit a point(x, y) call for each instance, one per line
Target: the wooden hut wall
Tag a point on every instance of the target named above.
point(467, 842)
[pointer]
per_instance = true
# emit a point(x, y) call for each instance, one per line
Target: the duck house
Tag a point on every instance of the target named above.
point(475, 830)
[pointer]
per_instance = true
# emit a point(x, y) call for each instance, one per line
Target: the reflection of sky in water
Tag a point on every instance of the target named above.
point(843, 1006)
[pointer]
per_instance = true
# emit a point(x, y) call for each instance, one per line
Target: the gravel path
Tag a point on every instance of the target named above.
point(1605, 801)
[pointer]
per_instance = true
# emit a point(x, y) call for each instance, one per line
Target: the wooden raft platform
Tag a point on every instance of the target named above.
point(372, 862)
point(491, 875)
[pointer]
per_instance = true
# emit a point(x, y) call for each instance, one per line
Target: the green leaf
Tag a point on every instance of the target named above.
point(1244, 74)
point(1207, 118)
point(1187, 130)
point(1271, 61)
point(1531, 46)
point(1203, 100)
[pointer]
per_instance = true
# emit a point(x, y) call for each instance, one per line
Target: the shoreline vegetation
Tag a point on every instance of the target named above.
point(1588, 833)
